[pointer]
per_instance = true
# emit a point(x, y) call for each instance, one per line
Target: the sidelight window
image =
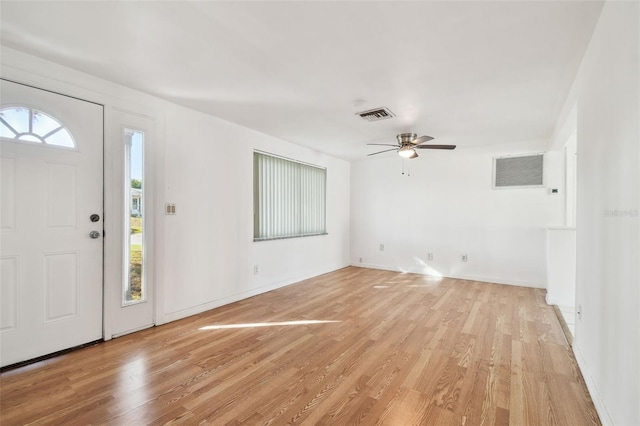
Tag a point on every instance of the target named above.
point(134, 285)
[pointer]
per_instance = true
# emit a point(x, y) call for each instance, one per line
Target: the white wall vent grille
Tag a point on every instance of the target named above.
point(521, 171)
point(376, 114)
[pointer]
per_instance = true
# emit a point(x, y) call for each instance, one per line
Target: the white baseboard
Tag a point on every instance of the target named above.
point(553, 301)
point(133, 330)
point(197, 309)
point(601, 408)
point(495, 280)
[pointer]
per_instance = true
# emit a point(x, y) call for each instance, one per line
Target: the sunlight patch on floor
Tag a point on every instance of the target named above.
point(427, 269)
point(265, 324)
point(423, 268)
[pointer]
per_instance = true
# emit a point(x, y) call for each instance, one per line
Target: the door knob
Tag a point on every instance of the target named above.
point(94, 234)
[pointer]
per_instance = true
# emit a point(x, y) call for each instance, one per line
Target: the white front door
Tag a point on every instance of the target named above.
point(51, 251)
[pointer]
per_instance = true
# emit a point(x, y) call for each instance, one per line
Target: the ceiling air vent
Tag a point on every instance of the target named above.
point(376, 114)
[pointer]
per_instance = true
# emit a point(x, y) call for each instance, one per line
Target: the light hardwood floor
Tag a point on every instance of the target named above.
point(400, 349)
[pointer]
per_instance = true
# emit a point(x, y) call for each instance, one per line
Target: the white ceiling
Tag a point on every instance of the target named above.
point(467, 73)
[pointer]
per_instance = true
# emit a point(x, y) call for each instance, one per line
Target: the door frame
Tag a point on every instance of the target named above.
point(120, 119)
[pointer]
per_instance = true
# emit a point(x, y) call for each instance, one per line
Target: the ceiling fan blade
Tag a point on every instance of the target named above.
point(380, 152)
point(435, 147)
point(382, 144)
point(421, 139)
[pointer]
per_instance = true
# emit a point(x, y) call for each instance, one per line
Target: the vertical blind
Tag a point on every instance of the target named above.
point(289, 198)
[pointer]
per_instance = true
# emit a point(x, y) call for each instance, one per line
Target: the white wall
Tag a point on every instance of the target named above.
point(571, 179)
point(204, 255)
point(447, 207)
point(607, 341)
point(210, 253)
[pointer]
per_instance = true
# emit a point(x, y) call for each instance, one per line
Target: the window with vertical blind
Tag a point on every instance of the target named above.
point(289, 198)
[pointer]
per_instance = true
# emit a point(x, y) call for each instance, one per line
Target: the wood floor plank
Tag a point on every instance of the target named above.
point(390, 348)
point(407, 408)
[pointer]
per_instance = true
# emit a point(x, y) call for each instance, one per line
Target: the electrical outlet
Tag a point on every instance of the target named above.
point(256, 269)
point(463, 258)
point(381, 247)
point(429, 256)
point(360, 260)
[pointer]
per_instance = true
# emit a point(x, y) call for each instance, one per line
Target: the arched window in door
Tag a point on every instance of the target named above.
point(25, 124)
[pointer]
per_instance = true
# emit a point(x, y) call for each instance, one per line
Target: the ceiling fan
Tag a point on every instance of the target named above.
point(408, 143)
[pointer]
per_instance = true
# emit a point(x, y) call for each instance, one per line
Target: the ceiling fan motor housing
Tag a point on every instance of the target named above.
point(406, 138)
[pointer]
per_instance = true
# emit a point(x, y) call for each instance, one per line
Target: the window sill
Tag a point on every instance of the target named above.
point(258, 240)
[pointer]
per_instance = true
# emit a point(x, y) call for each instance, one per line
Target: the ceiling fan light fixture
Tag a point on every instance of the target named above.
point(407, 152)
